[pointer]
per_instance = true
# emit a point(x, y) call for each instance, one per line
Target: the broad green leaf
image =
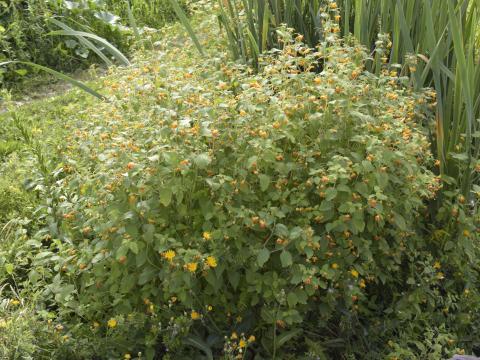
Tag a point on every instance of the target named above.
point(202, 160)
point(264, 181)
point(263, 256)
point(292, 299)
point(286, 258)
point(166, 196)
point(9, 268)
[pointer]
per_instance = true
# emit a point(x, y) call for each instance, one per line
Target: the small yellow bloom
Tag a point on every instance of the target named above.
point(210, 308)
point(362, 284)
point(96, 324)
point(251, 339)
point(440, 276)
point(354, 273)
point(169, 255)
point(211, 261)
point(112, 323)
point(195, 315)
point(437, 265)
point(242, 343)
point(335, 266)
point(192, 267)
point(234, 336)
point(127, 356)
point(207, 235)
point(14, 302)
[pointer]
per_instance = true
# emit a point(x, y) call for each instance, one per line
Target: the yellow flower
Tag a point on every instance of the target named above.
point(362, 284)
point(354, 273)
point(192, 267)
point(127, 356)
point(234, 336)
point(207, 235)
point(437, 265)
point(251, 339)
point(96, 324)
point(210, 308)
point(112, 323)
point(211, 261)
point(14, 302)
point(440, 276)
point(195, 315)
point(335, 266)
point(242, 343)
point(169, 255)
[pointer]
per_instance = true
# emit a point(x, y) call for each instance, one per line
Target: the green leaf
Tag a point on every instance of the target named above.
point(184, 20)
point(21, 72)
point(287, 336)
point(82, 34)
point(9, 268)
point(292, 299)
point(400, 221)
point(198, 343)
point(58, 75)
point(263, 256)
point(166, 196)
point(286, 258)
point(133, 247)
point(330, 194)
point(264, 181)
point(202, 160)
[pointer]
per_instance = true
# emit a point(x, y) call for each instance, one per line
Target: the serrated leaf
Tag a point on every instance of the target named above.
point(292, 299)
point(263, 256)
point(166, 196)
point(286, 258)
point(264, 181)
point(202, 161)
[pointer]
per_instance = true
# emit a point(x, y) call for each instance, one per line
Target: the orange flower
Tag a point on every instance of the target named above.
point(195, 315)
point(192, 267)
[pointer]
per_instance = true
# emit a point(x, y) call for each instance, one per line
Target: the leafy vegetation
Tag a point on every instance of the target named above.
point(288, 207)
point(27, 26)
point(152, 13)
point(432, 40)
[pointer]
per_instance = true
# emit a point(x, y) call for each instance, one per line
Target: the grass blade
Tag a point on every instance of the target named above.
point(184, 20)
point(59, 75)
point(111, 49)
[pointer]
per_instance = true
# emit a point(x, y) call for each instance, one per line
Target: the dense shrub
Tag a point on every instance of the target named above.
point(209, 211)
point(24, 34)
point(151, 13)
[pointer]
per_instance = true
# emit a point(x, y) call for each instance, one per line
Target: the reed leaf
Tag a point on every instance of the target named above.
point(59, 75)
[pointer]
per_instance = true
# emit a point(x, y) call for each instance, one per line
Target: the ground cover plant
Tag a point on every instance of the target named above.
point(208, 209)
point(191, 182)
point(433, 41)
